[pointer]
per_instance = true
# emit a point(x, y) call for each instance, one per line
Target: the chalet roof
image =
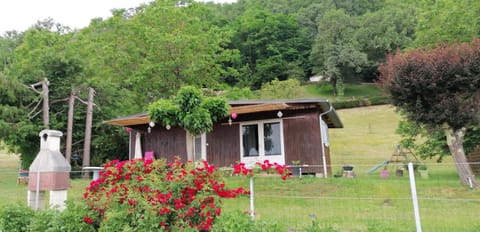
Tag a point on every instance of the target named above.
point(253, 106)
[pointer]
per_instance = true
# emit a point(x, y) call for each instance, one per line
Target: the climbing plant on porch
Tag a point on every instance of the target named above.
point(189, 109)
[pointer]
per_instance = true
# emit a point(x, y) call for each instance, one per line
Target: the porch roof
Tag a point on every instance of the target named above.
point(252, 106)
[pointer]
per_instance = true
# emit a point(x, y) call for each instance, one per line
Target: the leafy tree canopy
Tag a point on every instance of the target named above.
point(439, 88)
point(190, 110)
point(447, 21)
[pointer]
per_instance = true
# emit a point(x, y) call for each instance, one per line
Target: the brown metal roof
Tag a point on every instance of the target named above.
point(252, 106)
point(258, 108)
point(135, 119)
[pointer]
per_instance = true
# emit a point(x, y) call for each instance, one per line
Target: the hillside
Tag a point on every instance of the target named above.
point(368, 136)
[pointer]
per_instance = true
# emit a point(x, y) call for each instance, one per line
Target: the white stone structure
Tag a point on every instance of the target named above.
point(50, 171)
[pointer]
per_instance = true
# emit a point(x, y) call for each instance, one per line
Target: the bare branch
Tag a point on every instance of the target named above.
point(59, 100)
point(35, 108)
point(38, 112)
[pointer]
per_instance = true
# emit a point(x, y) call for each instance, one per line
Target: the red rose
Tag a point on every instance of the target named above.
point(88, 220)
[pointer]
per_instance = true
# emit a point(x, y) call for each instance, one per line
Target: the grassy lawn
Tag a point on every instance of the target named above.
point(364, 203)
point(352, 90)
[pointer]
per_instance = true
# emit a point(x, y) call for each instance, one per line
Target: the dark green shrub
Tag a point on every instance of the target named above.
point(21, 218)
point(15, 218)
point(234, 221)
point(242, 222)
point(70, 220)
point(379, 100)
point(347, 104)
point(361, 102)
point(42, 220)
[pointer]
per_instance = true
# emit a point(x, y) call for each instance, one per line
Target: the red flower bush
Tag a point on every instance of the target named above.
point(282, 170)
point(153, 195)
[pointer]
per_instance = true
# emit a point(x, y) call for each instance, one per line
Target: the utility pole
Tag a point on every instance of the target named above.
point(88, 130)
point(44, 94)
point(68, 145)
point(46, 118)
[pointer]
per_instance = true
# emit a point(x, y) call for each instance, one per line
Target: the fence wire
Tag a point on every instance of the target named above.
point(355, 203)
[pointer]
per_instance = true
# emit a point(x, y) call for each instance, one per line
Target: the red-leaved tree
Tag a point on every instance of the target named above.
point(439, 88)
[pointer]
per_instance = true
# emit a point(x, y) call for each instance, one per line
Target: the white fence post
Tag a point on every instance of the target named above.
point(252, 207)
point(414, 197)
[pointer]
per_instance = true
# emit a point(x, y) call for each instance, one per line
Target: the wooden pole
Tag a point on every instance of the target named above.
point(45, 109)
point(88, 131)
point(68, 145)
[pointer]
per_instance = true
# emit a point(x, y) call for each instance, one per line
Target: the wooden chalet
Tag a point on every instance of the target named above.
point(281, 131)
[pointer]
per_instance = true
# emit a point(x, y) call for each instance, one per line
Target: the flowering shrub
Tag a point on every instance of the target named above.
point(147, 195)
point(282, 170)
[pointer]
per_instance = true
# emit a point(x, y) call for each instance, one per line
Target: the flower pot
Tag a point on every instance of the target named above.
point(384, 173)
point(423, 174)
point(296, 170)
point(347, 168)
point(399, 172)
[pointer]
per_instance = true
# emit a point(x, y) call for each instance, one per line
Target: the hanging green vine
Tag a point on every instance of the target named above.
point(190, 110)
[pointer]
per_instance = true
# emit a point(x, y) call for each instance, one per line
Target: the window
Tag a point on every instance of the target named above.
point(271, 138)
point(250, 140)
point(199, 147)
point(262, 140)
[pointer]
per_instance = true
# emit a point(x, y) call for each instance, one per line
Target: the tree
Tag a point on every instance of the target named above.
point(422, 141)
point(8, 42)
point(447, 21)
point(335, 52)
point(430, 143)
point(271, 47)
point(439, 88)
point(383, 32)
point(39, 55)
point(276, 89)
point(190, 110)
point(358, 7)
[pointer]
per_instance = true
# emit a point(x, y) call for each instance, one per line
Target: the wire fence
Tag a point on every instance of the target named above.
point(362, 200)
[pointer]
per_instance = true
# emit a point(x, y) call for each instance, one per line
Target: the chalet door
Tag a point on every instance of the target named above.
point(199, 147)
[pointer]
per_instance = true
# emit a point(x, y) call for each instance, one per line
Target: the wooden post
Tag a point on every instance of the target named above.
point(44, 94)
point(68, 145)
point(88, 131)
point(45, 109)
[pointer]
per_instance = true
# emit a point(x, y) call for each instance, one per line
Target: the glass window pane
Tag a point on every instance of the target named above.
point(250, 140)
point(271, 138)
point(197, 148)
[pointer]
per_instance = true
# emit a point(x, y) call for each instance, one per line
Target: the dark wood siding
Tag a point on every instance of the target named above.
point(164, 143)
point(328, 160)
point(474, 158)
point(302, 141)
point(223, 145)
point(301, 131)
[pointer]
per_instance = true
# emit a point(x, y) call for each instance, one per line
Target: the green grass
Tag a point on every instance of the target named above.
point(368, 136)
point(364, 203)
point(352, 91)
point(356, 204)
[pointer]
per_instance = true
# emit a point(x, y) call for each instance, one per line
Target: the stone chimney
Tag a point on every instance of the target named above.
point(50, 171)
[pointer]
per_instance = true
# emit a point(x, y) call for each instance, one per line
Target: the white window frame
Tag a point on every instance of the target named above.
point(203, 146)
point(324, 133)
point(251, 160)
